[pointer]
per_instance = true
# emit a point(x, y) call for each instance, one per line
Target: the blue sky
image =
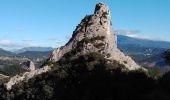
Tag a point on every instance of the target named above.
point(26, 23)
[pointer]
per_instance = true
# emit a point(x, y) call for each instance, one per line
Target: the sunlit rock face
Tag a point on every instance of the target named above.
point(95, 34)
point(26, 76)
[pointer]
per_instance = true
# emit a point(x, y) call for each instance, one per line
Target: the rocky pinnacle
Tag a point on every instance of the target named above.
point(95, 34)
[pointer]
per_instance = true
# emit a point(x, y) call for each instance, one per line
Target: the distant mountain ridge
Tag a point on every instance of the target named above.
point(6, 53)
point(35, 54)
point(147, 53)
point(125, 40)
point(135, 45)
point(40, 49)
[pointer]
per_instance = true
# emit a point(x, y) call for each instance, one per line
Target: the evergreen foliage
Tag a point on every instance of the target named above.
point(88, 78)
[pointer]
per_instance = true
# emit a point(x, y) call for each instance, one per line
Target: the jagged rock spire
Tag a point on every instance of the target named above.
point(94, 34)
point(101, 8)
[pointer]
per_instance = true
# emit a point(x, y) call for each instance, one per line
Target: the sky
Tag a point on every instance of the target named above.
point(50, 23)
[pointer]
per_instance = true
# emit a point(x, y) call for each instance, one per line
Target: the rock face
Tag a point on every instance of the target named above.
point(28, 65)
point(27, 75)
point(94, 34)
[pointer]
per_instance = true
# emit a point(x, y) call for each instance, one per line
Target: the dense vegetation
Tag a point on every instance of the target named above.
point(12, 70)
point(90, 77)
point(10, 67)
point(166, 56)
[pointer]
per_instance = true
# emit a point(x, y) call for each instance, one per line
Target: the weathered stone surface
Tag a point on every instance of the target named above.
point(5, 76)
point(27, 75)
point(28, 65)
point(94, 34)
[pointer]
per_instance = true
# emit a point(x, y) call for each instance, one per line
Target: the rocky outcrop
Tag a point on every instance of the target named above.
point(28, 65)
point(3, 78)
point(95, 34)
point(27, 75)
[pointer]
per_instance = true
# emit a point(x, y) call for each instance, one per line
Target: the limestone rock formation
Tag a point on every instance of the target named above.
point(27, 75)
point(28, 65)
point(95, 34)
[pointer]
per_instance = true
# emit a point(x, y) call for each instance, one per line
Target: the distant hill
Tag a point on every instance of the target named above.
point(41, 49)
point(6, 53)
point(125, 40)
point(35, 54)
point(145, 52)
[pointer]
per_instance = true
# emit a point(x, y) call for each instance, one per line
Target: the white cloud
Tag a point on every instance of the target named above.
point(126, 32)
point(134, 34)
point(146, 37)
point(8, 44)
